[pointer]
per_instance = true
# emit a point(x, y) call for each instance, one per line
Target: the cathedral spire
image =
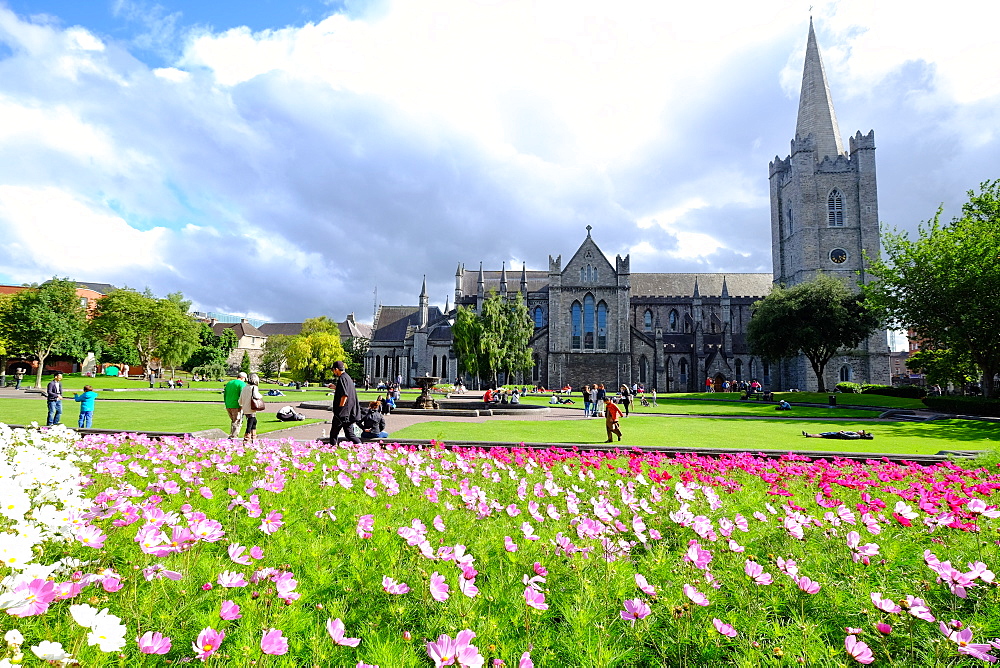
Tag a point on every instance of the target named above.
point(524, 279)
point(697, 293)
point(816, 114)
point(503, 278)
point(725, 288)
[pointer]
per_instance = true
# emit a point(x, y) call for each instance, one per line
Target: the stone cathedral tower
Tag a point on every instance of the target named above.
point(824, 219)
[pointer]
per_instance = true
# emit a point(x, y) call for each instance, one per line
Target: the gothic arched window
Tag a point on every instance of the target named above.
point(642, 369)
point(683, 368)
point(577, 313)
point(434, 365)
point(375, 370)
point(647, 321)
point(739, 369)
point(602, 326)
point(588, 322)
point(846, 374)
point(536, 369)
point(766, 372)
point(539, 317)
point(672, 319)
point(835, 209)
point(753, 369)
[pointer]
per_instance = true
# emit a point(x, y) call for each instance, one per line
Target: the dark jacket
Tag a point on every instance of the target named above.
point(53, 390)
point(372, 422)
point(350, 411)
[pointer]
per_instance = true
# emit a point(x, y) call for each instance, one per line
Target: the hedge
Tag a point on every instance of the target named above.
point(964, 405)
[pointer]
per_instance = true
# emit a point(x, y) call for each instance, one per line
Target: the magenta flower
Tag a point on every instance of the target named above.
point(635, 608)
point(439, 588)
point(696, 596)
point(365, 525)
point(858, 650)
point(392, 587)
point(256, 552)
point(535, 599)
point(271, 523)
point(526, 661)
point(231, 579)
point(151, 642)
point(208, 642)
point(273, 642)
point(468, 587)
point(724, 629)
point(509, 544)
point(111, 585)
point(756, 571)
point(883, 628)
point(34, 597)
point(884, 604)
point(460, 651)
point(540, 570)
point(230, 611)
point(335, 628)
point(438, 523)
point(91, 536)
point(919, 609)
point(236, 554)
point(807, 585)
point(643, 585)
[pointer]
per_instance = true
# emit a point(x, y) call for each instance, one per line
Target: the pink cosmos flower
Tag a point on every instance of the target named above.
point(525, 661)
point(468, 587)
point(919, 609)
point(231, 579)
point(438, 523)
point(884, 604)
point(883, 628)
point(152, 642)
point(273, 642)
point(335, 628)
point(392, 587)
point(724, 629)
point(230, 611)
point(635, 608)
point(807, 585)
point(540, 570)
point(91, 536)
point(756, 571)
point(535, 599)
point(271, 523)
point(208, 642)
point(460, 651)
point(236, 554)
point(205, 492)
point(111, 585)
point(256, 552)
point(160, 571)
point(35, 597)
point(858, 650)
point(509, 544)
point(365, 525)
point(643, 585)
point(528, 531)
point(696, 596)
point(439, 588)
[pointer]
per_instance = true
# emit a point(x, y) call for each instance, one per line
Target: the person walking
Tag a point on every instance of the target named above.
point(612, 414)
point(231, 395)
point(346, 411)
point(18, 377)
point(86, 406)
point(626, 398)
point(250, 403)
point(53, 396)
point(593, 400)
point(586, 401)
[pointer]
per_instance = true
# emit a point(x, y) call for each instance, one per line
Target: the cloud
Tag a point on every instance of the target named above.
point(288, 172)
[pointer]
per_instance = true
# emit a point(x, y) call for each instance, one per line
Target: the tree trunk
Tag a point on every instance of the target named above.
point(818, 369)
point(41, 367)
point(987, 383)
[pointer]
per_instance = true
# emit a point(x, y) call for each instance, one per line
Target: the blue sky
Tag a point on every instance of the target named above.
point(282, 159)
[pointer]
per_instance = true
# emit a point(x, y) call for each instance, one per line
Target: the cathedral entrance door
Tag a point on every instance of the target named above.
point(719, 379)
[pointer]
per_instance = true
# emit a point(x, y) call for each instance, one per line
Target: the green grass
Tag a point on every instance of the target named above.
point(810, 398)
point(671, 406)
point(130, 416)
point(784, 434)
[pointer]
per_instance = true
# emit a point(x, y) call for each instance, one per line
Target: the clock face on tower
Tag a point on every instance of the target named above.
point(838, 256)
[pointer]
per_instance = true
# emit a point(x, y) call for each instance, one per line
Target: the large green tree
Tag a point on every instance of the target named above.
point(273, 357)
point(494, 340)
point(356, 348)
point(213, 349)
point(817, 319)
point(941, 367)
point(945, 284)
point(309, 356)
point(44, 320)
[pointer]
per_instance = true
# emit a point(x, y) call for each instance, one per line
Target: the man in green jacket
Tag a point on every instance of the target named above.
point(231, 395)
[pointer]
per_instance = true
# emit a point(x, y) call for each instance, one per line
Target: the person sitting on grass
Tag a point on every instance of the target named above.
point(86, 406)
point(783, 406)
point(843, 435)
point(612, 414)
point(373, 423)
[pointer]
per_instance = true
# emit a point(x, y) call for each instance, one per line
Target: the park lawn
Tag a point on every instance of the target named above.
point(723, 407)
point(753, 435)
point(131, 416)
point(879, 400)
point(290, 398)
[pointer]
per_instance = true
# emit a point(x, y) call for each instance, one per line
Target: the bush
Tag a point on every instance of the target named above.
point(964, 405)
point(854, 388)
point(904, 391)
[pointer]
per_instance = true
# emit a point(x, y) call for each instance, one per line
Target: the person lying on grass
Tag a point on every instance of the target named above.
point(844, 435)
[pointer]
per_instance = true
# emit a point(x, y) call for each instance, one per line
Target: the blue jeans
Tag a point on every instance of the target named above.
point(586, 408)
point(55, 412)
point(86, 419)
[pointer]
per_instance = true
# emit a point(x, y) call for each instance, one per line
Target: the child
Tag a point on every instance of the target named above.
point(611, 416)
point(86, 406)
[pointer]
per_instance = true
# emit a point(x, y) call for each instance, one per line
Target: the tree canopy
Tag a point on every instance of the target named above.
point(44, 320)
point(945, 284)
point(816, 319)
point(309, 356)
point(495, 340)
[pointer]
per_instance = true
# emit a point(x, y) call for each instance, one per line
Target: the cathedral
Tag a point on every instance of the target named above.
point(597, 322)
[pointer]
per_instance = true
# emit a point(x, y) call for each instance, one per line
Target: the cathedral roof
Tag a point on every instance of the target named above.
point(709, 285)
point(391, 322)
point(816, 114)
point(491, 279)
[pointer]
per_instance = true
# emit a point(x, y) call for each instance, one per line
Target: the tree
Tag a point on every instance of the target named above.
point(816, 319)
point(945, 284)
point(274, 355)
point(322, 324)
point(495, 340)
point(310, 356)
point(245, 363)
point(356, 348)
point(46, 319)
point(941, 367)
point(213, 350)
point(178, 334)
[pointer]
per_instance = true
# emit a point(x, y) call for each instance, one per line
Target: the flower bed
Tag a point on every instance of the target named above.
point(125, 551)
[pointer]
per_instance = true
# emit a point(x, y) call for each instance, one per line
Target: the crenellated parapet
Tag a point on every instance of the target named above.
point(803, 144)
point(841, 163)
point(861, 142)
point(778, 166)
point(555, 264)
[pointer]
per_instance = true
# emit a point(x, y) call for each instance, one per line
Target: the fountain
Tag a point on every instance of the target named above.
point(425, 401)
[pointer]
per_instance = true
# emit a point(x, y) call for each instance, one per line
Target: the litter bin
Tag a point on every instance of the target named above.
point(833, 399)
